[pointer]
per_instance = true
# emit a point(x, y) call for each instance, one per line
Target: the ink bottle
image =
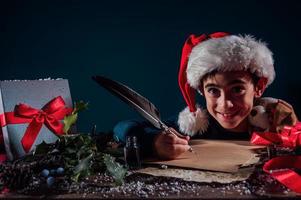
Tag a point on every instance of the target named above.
point(132, 153)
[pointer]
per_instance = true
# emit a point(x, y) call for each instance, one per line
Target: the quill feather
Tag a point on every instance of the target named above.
point(132, 98)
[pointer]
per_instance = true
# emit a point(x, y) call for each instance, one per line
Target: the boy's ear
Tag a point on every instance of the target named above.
point(260, 86)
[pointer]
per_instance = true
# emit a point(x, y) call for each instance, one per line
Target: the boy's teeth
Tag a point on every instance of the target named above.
point(226, 114)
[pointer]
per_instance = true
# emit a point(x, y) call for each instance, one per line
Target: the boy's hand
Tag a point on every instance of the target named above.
point(170, 146)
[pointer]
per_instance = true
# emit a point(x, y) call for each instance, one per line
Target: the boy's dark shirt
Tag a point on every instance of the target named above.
point(146, 132)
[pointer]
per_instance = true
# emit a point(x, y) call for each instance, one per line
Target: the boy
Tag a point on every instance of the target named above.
point(230, 72)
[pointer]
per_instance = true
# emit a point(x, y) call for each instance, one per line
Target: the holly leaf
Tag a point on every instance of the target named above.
point(69, 121)
point(43, 148)
point(117, 171)
point(82, 169)
point(80, 106)
point(72, 118)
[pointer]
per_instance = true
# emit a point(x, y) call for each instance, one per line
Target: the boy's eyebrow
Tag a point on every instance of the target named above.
point(236, 81)
point(211, 85)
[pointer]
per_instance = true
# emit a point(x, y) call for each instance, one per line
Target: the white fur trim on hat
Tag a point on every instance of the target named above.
point(193, 123)
point(230, 53)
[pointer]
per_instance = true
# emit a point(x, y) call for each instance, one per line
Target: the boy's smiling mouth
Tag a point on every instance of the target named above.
point(227, 115)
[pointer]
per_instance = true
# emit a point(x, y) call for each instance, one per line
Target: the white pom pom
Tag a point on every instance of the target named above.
point(193, 123)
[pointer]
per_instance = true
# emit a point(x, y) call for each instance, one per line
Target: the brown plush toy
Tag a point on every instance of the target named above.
point(270, 114)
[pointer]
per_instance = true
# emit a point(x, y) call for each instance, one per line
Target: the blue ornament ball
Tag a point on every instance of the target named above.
point(60, 171)
point(50, 181)
point(45, 173)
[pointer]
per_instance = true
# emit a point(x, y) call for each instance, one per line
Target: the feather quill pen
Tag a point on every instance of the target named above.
point(147, 109)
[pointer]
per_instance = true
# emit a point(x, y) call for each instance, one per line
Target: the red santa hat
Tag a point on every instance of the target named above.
point(217, 52)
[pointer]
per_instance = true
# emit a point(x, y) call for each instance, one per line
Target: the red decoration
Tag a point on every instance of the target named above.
point(50, 115)
point(282, 168)
point(290, 136)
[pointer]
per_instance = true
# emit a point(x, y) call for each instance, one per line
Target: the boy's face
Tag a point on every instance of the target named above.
point(229, 98)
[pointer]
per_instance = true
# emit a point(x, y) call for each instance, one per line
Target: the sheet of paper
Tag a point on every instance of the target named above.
point(215, 155)
point(200, 176)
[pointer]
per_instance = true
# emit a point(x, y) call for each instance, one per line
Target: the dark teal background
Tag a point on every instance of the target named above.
point(138, 43)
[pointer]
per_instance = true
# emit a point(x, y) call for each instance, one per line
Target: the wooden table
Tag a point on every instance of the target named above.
point(258, 186)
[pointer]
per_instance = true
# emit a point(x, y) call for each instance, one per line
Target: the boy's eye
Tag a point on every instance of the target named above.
point(213, 91)
point(238, 90)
